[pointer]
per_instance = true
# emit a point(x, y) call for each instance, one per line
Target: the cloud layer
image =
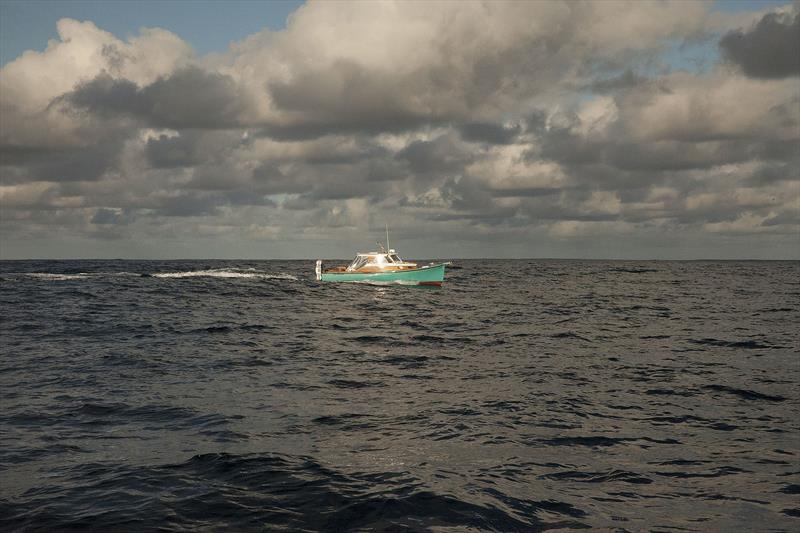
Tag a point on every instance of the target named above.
point(474, 129)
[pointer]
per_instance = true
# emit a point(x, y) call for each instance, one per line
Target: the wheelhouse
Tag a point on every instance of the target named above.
point(378, 261)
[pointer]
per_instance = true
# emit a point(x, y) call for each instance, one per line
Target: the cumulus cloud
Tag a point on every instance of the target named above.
point(31, 84)
point(770, 49)
point(480, 123)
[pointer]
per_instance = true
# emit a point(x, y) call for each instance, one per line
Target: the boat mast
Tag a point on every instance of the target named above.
point(387, 236)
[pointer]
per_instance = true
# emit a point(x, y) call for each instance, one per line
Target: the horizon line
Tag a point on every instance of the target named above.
point(347, 259)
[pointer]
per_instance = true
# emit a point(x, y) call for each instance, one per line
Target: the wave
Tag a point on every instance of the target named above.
point(715, 472)
point(351, 384)
point(599, 441)
point(104, 414)
point(633, 270)
point(745, 394)
point(790, 489)
point(245, 492)
point(599, 477)
point(226, 273)
point(734, 344)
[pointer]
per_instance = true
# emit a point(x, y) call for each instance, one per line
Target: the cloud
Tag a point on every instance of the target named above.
point(680, 122)
point(23, 164)
point(190, 98)
point(32, 83)
point(109, 216)
point(520, 126)
point(769, 49)
point(440, 156)
point(396, 67)
point(489, 133)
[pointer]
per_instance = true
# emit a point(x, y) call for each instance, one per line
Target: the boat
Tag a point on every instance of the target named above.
point(383, 267)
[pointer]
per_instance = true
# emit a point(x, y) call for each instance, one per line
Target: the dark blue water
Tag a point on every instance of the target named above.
point(520, 396)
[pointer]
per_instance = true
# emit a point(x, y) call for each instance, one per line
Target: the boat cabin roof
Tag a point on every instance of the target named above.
point(369, 254)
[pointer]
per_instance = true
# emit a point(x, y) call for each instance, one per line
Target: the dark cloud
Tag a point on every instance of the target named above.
point(345, 189)
point(790, 218)
point(173, 151)
point(504, 217)
point(468, 195)
point(300, 203)
point(248, 196)
point(87, 163)
point(14, 156)
point(343, 98)
point(189, 98)
point(525, 192)
point(441, 156)
point(307, 128)
point(189, 205)
point(271, 179)
point(385, 169)
point(346, 183)
point(770, 49)
point(564, 146)
point(774, 173)
point(485, 132)
point(114, 217)
point(354, 151)
point(668, 156)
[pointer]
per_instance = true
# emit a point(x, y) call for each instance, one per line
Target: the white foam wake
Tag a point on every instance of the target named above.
point(55, 277)
point(213, 273)
point(225, 273)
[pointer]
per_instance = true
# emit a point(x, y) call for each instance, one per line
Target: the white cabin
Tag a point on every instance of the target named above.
point(379, 261)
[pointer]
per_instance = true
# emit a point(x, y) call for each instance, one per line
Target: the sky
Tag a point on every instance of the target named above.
point(664, 130)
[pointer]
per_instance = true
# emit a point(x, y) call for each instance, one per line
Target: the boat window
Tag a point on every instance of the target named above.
point(395, 259)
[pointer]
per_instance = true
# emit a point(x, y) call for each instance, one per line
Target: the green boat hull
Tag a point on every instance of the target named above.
point(432, 275)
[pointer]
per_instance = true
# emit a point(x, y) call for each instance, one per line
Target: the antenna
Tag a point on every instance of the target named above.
point(387, 236)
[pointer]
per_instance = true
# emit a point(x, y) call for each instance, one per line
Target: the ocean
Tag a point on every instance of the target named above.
point(522, 395)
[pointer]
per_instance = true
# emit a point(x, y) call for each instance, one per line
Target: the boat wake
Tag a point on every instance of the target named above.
point(226, 273)
point(211, 273)
point(50, 276)
point(55, 277)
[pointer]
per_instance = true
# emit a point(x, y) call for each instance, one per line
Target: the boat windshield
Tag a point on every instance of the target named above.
point(379, 260)
point(358, 262)
point(394, 258)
